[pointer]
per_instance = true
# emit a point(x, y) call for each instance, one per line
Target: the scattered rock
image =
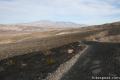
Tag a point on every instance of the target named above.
point(23, 64)
point(37, 65)
point(70, 51)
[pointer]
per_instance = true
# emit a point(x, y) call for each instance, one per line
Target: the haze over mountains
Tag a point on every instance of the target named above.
point(39, 25)
point(52, 23)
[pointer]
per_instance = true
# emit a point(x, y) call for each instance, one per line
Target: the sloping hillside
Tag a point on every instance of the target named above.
point(34, 41)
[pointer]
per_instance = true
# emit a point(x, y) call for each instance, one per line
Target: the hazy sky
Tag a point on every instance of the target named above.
point(79, 11)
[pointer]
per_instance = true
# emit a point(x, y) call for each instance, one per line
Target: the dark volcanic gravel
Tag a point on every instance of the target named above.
point(101, 61)
point(37, 65)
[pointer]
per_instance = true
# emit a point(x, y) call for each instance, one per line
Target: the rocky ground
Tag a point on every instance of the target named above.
point(56, 54)
point(39, 65)
point(101, 61)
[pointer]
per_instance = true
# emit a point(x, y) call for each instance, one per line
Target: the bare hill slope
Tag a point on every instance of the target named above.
point(27, 42)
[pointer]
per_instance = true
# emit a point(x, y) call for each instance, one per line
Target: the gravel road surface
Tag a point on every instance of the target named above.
point(100, 60)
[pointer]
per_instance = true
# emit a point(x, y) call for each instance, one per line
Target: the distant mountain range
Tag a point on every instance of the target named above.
point(39, 25)
point(46, 23)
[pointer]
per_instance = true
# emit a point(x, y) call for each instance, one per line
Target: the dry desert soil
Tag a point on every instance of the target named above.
point(35, 53)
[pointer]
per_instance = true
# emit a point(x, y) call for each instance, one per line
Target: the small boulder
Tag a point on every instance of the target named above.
point(70, 51)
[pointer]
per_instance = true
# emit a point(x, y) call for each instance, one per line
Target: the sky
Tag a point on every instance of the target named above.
point(78, 11)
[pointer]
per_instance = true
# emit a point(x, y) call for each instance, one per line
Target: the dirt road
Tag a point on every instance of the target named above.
point(100, 60)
